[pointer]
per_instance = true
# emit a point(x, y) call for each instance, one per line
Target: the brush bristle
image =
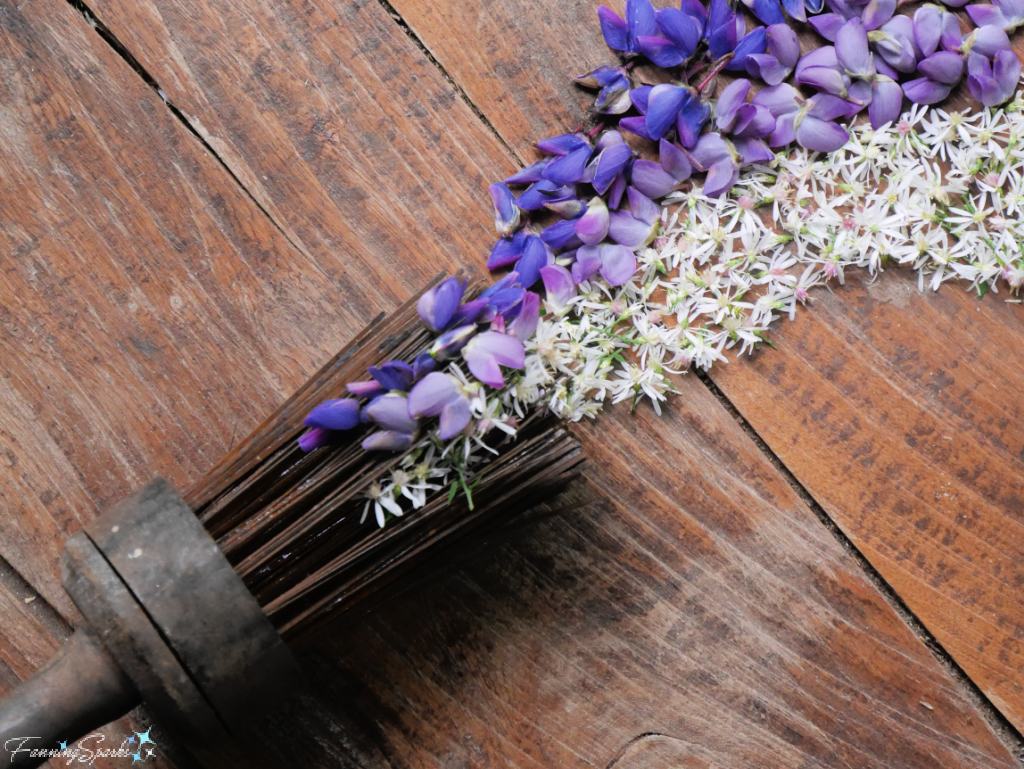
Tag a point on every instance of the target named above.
point(289, 522)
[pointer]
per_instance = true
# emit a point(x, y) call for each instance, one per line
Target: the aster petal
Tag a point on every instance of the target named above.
point(618, 264)
point(454, 418)
point(337, 414)
point(821, 135)
point(614, 29)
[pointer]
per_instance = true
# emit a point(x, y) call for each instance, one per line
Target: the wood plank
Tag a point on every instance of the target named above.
point(908, 431)
point(688, 591)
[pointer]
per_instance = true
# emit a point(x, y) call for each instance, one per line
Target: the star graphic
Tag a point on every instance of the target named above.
point(131, 740)
point(63, 746)
point(144, 737)
point(136, 758)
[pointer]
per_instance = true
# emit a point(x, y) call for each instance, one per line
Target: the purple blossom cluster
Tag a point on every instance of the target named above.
point(588, 205)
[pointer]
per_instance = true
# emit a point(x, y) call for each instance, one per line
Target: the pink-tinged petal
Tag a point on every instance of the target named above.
point(988, 15)
point(338, 414)
point(587, 264)
point(388, 440)
point(627, 230)
point(487, 352)
point(316, 438)
point(430, 395)
point(525, 324)
point(925, 91)
point(391, 412)
point(614, 29)
point(592, 227)
point(558, 285)
point(652, 180)
point(618, 264)
point(779, 99)
point(785, 131)
point(721, 177)
point(663, 107)
point(365, 389)
point(827, 25)
point(821, 135)
point(943, 67)
point(886, 103)
point(454, 418)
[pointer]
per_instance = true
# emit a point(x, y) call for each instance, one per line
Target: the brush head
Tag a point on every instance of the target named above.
point(289, 522)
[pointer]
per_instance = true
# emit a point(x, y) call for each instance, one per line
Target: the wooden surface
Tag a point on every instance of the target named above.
point(156, 313)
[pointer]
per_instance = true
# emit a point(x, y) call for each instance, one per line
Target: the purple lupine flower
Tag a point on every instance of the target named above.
point(935, 27)
point(448, 345)
point(437, 306)
point(721, 161)
point(993, 83)
point(638, 226)
point(327, 420)
point(798, 9)
point(486, 353)
point(656, 179)
point(422, 365)
point(610, 161)
point(664, 104)
point(572, 152)
point(742, 120)
point(987, 41)
point(393, 376)
point(1007, 14)
point(783, 53)
point(616, 263)
point(369, 389)
point(894, 42)
point(767, 11)
point(621, 34)
point(942, 70)
point(592, 227)
point(886, 101)
point(530, 174)
point(809, 122)
point(613, 82)
point(544, 192)
point(398, 429)
point(441, 395)
point(528, 254)
point(559, 287)
point(561, 235)
point(871, 14)
point(679, 33)
point(854, 55)
point(820, 69)
point(524, 325)
point(730, 38)
point(506, 212)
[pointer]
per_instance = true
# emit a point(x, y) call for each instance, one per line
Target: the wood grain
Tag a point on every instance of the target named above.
point(900, 414)
point(687, 592)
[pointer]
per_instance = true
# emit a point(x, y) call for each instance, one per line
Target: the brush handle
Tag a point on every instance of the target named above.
point(79, 690)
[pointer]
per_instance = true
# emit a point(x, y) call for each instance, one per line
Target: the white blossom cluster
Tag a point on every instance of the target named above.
point(942, 192)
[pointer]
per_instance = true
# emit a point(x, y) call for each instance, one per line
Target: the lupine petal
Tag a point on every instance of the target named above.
point(785, 130)
point(613, 99)
point(617, 188)
point(827, 25)
point(393, 375)
point(722, 39)
point(337, 414)
point(674, 161)
point(943, 67)
point(618, 264)
point(641, 97)
point(524, 326)
point(614, 29)
point(446, 346)
point(641, 20)
point(652, 180)
point(561, 235)
point(721, 177)
point(592, 227)
point(570, 208)
point(627, 230)
point(896, 50)
point(642, 207)
point(852, 49)
point(877, 12)
point(534, 257)
point(316, 438)
point(986, 15)
point(821, 135)
point(1006, 71)
point(562, 144)
point(469, 312)
point(487, 352)
point(588, 262)
point(710, 149)
point(437, 305)
point(610, 163)
point(928, 27)
point(454, 417)
point(681, 28)
point(779, 99)
point(757, 121)
point(664, 104)
point(528, 175)
point(824, 79)
point(886, 103)
point(924, 90)
point(504, 253)
point(387, 440)
point(767, 11)
point(825, 106)
point(691, 120)
point(506, 212)
point(754, 150)
point(568, 168)
point(796, 9)
point(989, 41)
point(423, 365)
point(661, 51)
point(391, 412)
point(696, 10)
point(766, 67)
point(950, 37)
point(536, 195)
point(783, 44)
point(365, 389)
point(431, 394)
point(753, 42)
point(603, 76)
point(733, 96)
point(635, 125)
point(558, 285)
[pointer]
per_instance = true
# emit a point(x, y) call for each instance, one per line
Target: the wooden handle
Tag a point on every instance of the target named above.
point(79, 690)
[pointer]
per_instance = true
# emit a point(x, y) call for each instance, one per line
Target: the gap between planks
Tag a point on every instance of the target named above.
point(1006, 732)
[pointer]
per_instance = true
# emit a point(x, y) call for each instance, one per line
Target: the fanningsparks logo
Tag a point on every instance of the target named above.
point(86, 750)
